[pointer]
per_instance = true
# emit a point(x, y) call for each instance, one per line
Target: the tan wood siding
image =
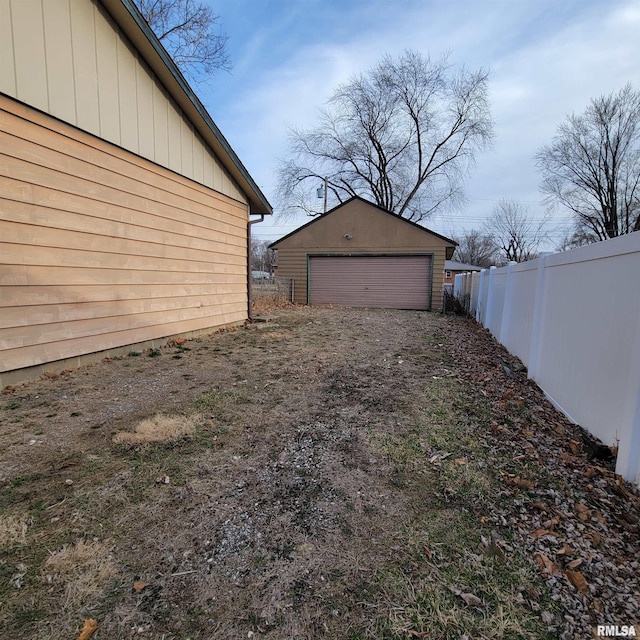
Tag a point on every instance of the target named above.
point(101, 248)
point(146, 133)
point(161, 127)
point(85, 67)
point(126, 88)
point(7, 65)
point(57, 35)
point(107, 69)
point(68, 58)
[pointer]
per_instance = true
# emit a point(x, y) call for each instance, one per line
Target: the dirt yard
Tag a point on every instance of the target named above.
point(330, 473)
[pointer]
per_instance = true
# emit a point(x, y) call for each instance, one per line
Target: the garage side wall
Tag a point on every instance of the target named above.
point(371, 231)
point(100, 248)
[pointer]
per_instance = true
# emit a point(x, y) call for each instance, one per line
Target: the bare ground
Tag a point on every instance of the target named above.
point(328, 474)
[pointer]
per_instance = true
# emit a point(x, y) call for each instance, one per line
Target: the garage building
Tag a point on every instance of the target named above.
point(361, 255)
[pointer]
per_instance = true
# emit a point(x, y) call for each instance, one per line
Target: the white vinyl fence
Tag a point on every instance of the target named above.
point(573, 318)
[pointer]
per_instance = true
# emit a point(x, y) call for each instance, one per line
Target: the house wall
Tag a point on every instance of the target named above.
point(574, 319)
point(68, 58)
point(372, 232)
point(452, 278)
point(101, 248)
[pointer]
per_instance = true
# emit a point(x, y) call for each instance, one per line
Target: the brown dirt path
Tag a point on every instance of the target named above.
point(333, 474)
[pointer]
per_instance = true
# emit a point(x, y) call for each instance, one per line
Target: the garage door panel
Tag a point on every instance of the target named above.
point(387, 282)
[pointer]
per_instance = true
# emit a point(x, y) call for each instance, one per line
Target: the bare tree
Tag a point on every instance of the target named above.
point(515, 232)
point(575, 238)
point(187, 29)
point(260, 255)
point(402, 135)
point(476, 248)
point(592, 167)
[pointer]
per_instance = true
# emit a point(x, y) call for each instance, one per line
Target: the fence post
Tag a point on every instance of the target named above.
point(474, 291)
point(538, 318)
point(457, 284)
point(628, 463)
point(467, 291)
point(505, 325)
point(482, 295)
point(490, 296)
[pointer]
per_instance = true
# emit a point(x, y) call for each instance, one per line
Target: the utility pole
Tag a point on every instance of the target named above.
point(325, 195)
point(323, 191)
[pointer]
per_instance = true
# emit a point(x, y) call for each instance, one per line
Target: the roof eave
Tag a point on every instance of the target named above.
point(134, 26)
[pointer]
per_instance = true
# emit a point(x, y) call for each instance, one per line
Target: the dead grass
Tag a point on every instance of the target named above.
point(323, 475)
point(158, 429)
point(268, 298)
point(13, 530)
point(82, 570)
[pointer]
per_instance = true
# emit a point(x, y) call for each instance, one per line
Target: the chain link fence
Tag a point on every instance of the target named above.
point(271, 292)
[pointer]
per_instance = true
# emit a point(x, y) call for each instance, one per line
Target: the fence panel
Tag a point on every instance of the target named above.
point(271, 292)
point(483, 290)
point(574, 319)
point(475, 290)
point(591, 310)
point(495, 300)
point(516, 334)
point(285, 287)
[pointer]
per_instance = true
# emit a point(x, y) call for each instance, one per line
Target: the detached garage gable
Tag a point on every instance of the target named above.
point(361, 255)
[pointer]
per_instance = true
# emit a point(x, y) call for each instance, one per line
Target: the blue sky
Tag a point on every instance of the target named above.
point(547, 59)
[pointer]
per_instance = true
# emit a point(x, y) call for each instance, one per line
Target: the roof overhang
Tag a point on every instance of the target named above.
point(134, 26)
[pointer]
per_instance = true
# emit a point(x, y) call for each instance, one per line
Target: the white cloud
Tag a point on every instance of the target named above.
point(547, 58)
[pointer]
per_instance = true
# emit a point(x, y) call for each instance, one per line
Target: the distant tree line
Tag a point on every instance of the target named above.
point(510, 233)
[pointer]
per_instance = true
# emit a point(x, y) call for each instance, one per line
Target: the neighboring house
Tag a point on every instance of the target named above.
point(124, 212)
point(453, 268)
point(360, 255)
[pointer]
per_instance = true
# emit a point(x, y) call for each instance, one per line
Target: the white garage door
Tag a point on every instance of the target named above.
point(382, 282)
